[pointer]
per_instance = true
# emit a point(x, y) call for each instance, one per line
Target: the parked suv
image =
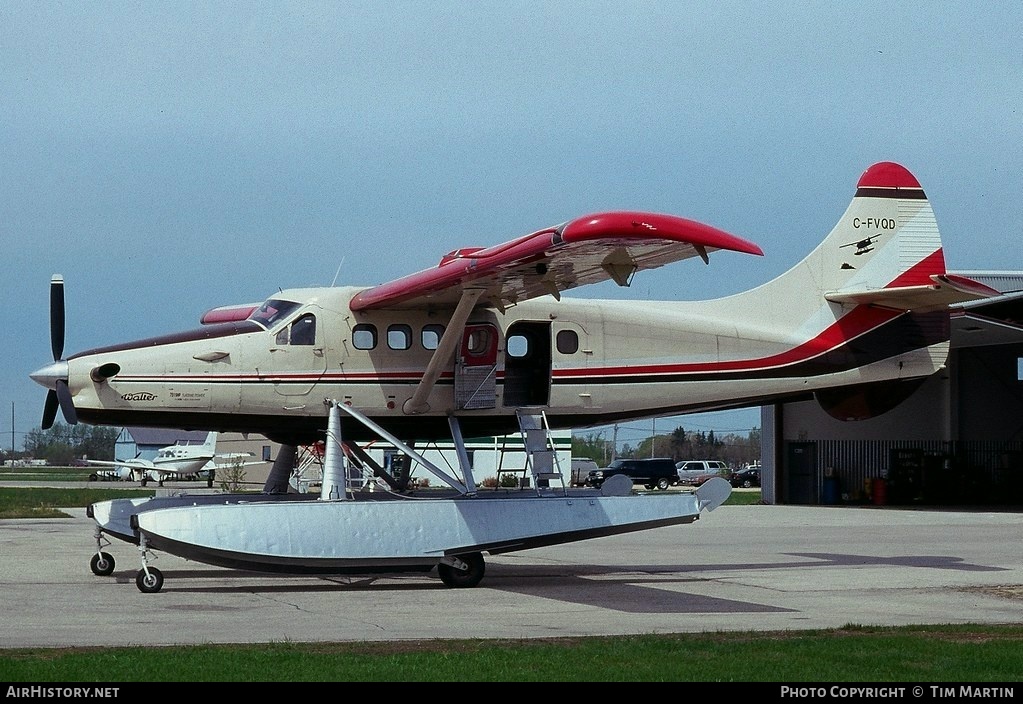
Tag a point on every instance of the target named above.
point(696, 472)
point(659, 473)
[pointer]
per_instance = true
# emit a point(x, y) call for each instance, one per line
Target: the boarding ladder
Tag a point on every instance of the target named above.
point(541, 455)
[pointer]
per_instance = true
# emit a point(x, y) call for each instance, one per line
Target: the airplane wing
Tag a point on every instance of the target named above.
point(133, 464)
point(233, 459)
point(586, 250)
point(232, 463)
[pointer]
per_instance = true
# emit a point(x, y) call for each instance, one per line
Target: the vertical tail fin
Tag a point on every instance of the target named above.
point(211, 442)
point(885, 251)
point(887, 239)
point(891, 210)
point(868, 306)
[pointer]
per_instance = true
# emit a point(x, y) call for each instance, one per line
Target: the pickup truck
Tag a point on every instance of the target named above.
point(581, 468)
point(696, 472)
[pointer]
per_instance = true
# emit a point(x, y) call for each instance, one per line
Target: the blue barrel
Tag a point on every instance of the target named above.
point(829, 492)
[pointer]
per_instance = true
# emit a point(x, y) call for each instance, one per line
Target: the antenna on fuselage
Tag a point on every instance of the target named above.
point(338, 272)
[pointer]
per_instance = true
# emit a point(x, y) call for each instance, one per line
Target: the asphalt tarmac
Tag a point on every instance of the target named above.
point(739, 568)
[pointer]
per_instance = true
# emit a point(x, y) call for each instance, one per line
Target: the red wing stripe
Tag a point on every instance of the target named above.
point(464, 266)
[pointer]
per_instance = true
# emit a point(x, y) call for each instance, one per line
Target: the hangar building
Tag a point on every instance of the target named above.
point(957, 440)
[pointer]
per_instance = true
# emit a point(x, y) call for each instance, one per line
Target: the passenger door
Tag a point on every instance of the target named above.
point(476, 367)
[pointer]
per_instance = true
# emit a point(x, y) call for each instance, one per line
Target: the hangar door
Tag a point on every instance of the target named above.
point(801, 473)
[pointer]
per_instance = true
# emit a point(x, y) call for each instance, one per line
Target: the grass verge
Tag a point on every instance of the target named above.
point(960, 653)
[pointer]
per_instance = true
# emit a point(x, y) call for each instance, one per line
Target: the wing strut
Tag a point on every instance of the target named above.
point(443, 354)
point(463, 457)
point(429, 466)
point(378, 471)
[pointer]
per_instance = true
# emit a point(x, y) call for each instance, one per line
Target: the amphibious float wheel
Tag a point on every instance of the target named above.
point(102, 564)
point(149, 582)
point(470, 577)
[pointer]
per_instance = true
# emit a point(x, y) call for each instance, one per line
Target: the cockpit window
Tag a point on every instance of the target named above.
point(272, 311)
point(303, 330)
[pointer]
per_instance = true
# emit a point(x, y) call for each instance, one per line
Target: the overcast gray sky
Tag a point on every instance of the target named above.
point(169, 157)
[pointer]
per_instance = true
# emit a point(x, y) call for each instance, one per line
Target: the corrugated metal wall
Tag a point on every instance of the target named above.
point(976, 472)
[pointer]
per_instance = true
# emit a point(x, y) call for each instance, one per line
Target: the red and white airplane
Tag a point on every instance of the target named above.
point(485, 343)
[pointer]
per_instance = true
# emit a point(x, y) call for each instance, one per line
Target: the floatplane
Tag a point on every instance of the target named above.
point(485, 344)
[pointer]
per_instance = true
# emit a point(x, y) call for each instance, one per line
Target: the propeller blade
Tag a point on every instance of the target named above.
point(57, 316)
point(67, 405)
point(50, 409)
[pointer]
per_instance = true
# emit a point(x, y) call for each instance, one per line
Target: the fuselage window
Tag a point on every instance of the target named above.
point(303, 330)
point(364, 336)
point(568, 342)
point(431, 336)
point(518, 346)
point(478, 341)
point(399, 336)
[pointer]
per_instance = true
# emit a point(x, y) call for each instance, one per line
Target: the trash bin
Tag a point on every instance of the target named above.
point(829, 492)
point(879, 492)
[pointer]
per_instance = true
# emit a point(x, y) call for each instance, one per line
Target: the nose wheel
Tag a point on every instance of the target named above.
point(149, 580)
point(102, 564)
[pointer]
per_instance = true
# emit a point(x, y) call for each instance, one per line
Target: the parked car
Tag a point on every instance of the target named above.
point(581, 468)
point(696, 472)
point(746, 478)
point(658, 472)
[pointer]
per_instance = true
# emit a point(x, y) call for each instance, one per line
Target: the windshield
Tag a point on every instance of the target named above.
point(272, 311)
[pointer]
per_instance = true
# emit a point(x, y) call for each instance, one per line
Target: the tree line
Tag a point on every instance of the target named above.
point(732, 448)
point(61, 444)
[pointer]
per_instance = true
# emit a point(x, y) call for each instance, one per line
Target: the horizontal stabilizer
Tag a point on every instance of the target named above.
point(946, 290)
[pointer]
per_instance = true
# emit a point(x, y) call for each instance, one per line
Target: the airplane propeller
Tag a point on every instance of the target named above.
point(57, 316)
point(55, 376)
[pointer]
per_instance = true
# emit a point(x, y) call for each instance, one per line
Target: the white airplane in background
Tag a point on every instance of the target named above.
point(484, 344)
point(178, 461)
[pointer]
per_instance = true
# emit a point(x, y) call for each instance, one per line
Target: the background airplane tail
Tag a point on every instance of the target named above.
point(210, 443)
